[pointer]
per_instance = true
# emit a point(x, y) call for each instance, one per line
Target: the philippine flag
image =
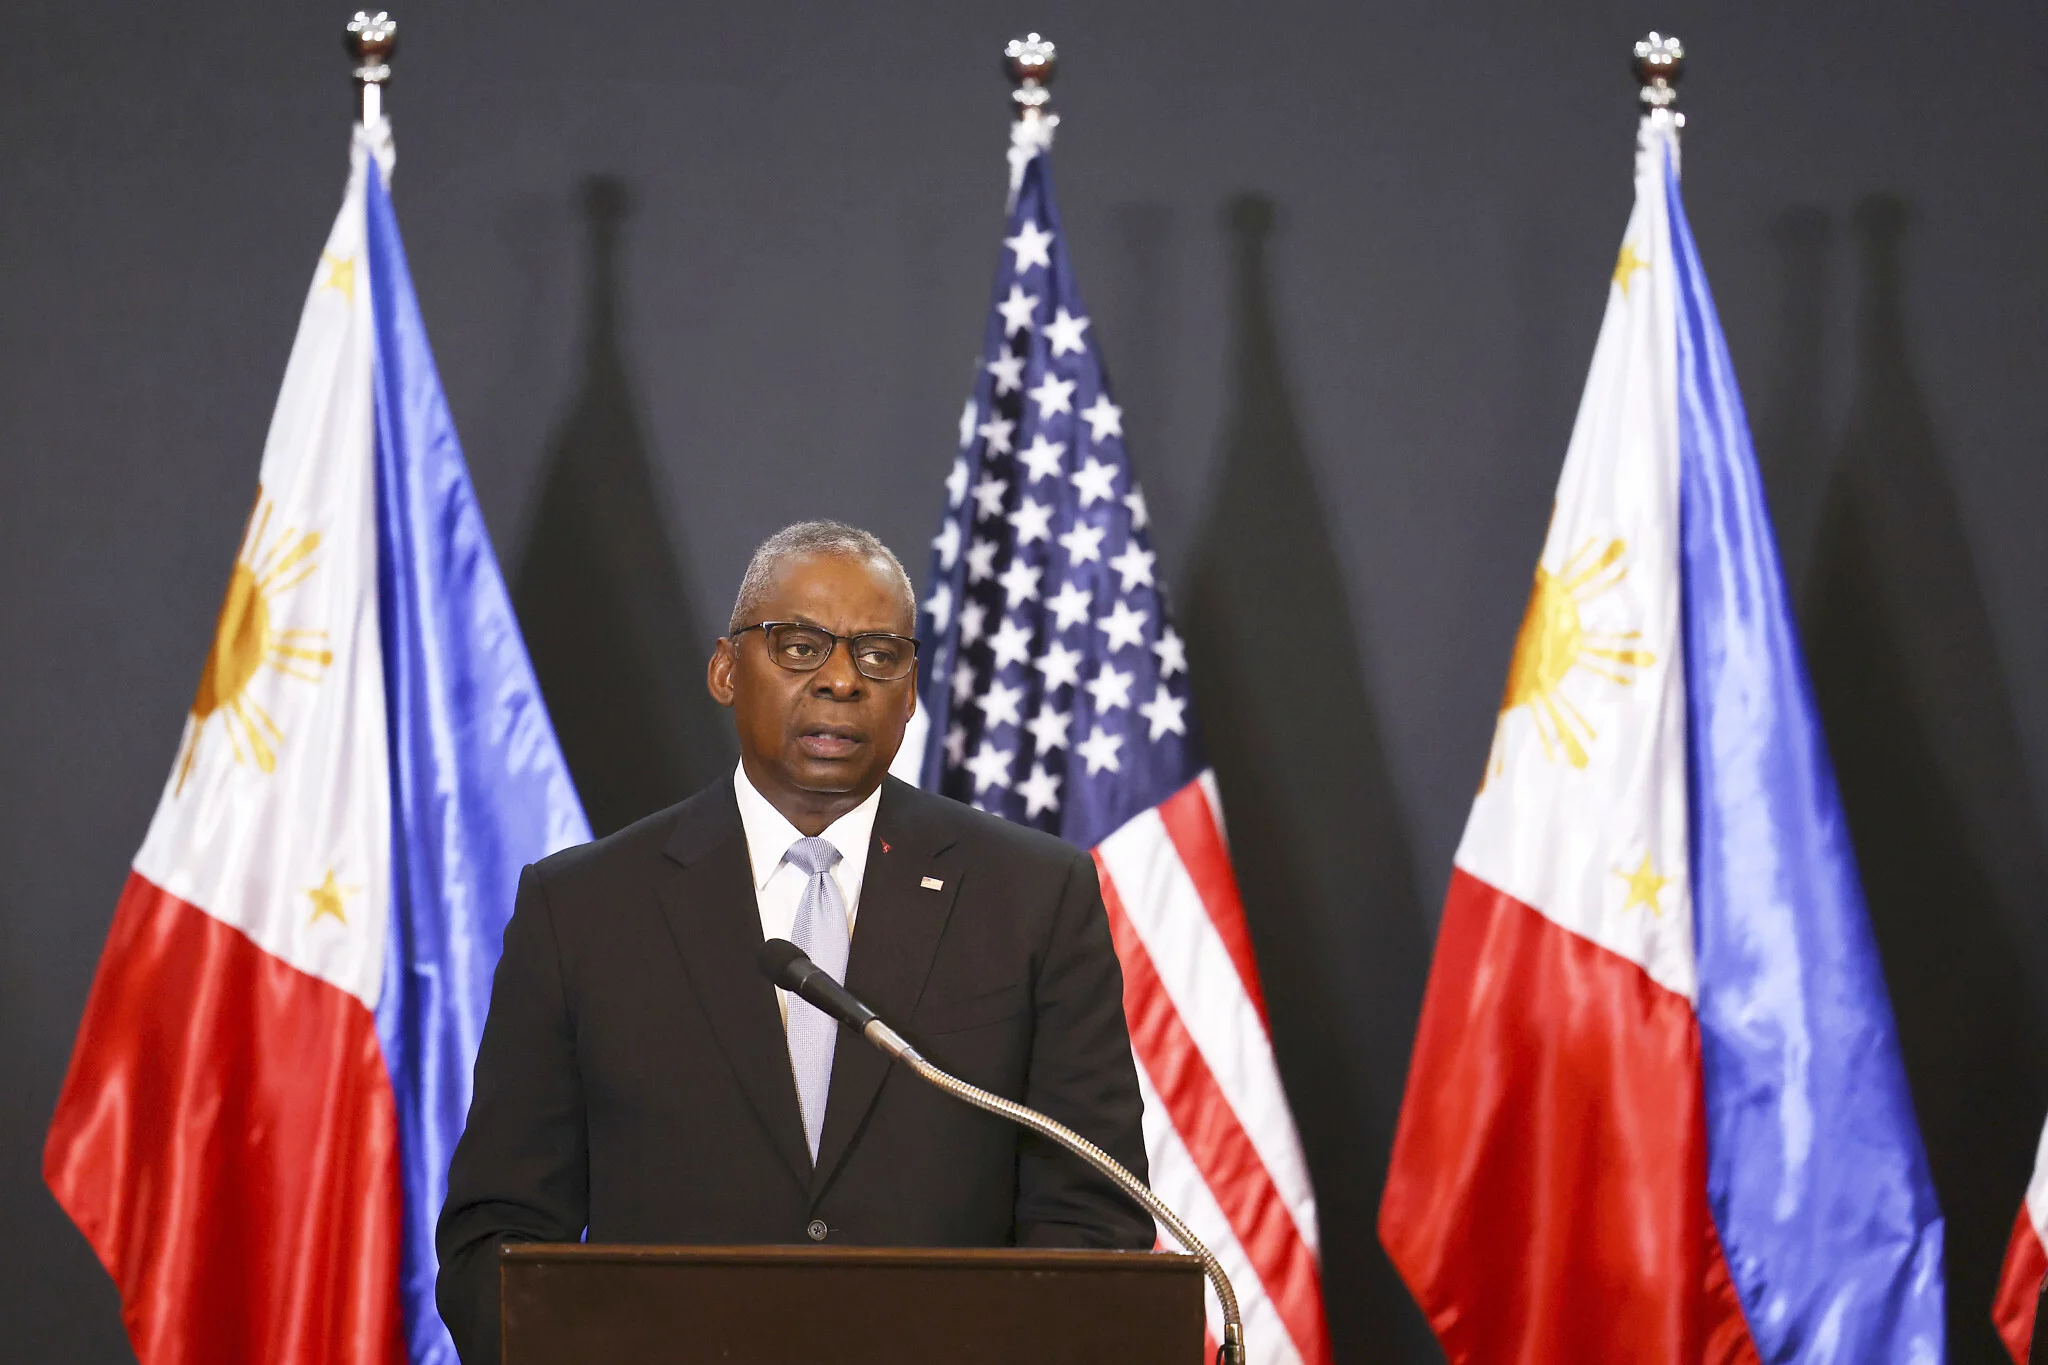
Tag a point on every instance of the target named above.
point(275, 1059)
point(1656, 1111)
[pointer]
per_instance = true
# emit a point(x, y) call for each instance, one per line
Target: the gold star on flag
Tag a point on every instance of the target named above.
point(341, 274)
point(1643, 886)
point(1627, 264)
point(327, 899)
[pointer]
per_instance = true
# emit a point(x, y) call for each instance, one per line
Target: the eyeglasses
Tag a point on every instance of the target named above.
point(804, 649)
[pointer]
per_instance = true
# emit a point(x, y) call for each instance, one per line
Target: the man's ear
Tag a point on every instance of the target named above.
point(910, 707)
point(718, 673)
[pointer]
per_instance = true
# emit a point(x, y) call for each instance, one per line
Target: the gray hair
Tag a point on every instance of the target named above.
point(815, 538)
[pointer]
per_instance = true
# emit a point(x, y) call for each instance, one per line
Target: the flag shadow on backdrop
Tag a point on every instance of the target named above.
point(600, 589)
point(1912, 692)
point(1315, 829)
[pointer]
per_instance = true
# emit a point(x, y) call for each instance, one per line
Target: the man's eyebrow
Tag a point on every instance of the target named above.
point(799, 619)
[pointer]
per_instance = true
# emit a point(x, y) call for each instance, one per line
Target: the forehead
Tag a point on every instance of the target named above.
point(843, 593)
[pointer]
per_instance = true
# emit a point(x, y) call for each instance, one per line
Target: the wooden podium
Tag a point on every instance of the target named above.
point(646, 1305)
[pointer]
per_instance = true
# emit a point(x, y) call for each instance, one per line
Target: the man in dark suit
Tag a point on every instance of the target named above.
point(639, 1077)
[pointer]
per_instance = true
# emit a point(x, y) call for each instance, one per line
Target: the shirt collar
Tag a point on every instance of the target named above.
point(769, 835)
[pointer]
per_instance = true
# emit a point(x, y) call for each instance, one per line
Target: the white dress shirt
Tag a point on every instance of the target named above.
point(778, 883)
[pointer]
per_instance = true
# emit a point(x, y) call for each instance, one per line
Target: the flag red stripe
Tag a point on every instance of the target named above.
point(2019, 1288)
point(1210, 1129)
point(226, 1140)
point(1546, 1201)
point(1199, 841)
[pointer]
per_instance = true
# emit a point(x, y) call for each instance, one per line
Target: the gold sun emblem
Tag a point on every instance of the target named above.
point(247, 638)
point(1554, 644)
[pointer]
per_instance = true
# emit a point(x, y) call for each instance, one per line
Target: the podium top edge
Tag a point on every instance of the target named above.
point(980, 1258)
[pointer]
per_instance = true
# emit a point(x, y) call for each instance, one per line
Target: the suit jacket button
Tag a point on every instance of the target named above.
point(817, 1230)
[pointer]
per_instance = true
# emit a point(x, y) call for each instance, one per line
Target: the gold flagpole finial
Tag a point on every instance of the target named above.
point(372, 40)
point(1659, 63)
point(1031, 62)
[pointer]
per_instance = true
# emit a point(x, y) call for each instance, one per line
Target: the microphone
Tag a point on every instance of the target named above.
point(789, 967)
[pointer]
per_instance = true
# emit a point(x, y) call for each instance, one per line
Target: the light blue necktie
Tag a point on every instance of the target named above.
point(820, 930)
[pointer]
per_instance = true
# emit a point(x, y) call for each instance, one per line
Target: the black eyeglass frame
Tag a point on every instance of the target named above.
point(852, 643)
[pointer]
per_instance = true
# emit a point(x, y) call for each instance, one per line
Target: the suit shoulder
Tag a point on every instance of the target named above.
point(987, 836)
point(635, 845)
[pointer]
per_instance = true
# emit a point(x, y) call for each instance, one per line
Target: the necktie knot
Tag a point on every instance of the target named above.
point(812, 856)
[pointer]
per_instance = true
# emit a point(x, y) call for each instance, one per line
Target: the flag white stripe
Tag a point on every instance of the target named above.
point(1201, 981)
point(1177, 1179)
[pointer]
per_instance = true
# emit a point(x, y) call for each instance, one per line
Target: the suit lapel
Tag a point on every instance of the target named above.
point(714, 917)
point(895, 936)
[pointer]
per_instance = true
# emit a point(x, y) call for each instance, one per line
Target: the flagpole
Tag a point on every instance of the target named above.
point(372, 40)
point(1030, 62)
point(1659, 65)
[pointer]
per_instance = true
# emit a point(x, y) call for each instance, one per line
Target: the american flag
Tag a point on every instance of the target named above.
point(1054, 692)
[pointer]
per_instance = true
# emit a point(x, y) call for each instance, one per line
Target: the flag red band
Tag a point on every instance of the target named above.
point(226, 1141)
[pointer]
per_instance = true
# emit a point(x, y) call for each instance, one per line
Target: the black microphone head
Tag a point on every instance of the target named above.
point(782, 962)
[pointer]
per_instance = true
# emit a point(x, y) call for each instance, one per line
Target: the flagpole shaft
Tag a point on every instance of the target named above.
point(372, 39)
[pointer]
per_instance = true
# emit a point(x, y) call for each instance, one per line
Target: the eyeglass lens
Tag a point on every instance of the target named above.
point(803, 649)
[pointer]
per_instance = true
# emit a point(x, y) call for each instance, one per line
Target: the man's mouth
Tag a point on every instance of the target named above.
point(829, 741)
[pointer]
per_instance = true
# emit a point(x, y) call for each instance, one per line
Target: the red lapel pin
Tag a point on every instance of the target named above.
point(885, 845)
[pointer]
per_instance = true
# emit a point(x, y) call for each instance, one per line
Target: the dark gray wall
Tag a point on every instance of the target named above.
point(694, 271)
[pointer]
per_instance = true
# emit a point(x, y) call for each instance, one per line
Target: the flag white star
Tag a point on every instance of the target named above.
point(1100, 750)
point(990, 766)
point(973, 617)
point(1042, 457)
point(1104, 418)
point(1135, 565)
point(1111, 689)
point(1011, 642)
point(1019, 310)
point(1054, 395)
point(963, 682)
point(1095, 480)
point(956, 482)
point(999, 705)
point(1030, 245)
point(988, 497)
point(1020, 582)
point(1084, 542)
point(1041, 792)
point(1049, 728)
point(1135, 500)
point(1060, 665)
point(1064, 333)
point(967, 416)
point(947, 543)
point(940, 605)
point(1164, 711)
point(1009, 373)
point(1033, 522)
point(1172, 652)
point(996, 430)
point(981, 563)
point(1070, 604)
point(956, 745)
point(1122, 626)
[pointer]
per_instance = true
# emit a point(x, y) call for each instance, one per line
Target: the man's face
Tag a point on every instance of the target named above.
point(828, 733)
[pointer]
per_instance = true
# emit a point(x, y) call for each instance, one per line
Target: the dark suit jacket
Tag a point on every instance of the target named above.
point(634, 1076)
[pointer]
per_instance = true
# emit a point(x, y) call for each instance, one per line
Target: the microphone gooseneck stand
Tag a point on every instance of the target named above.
point(789, 967)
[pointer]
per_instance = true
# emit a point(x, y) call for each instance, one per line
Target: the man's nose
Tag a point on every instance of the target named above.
point(837, 677)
